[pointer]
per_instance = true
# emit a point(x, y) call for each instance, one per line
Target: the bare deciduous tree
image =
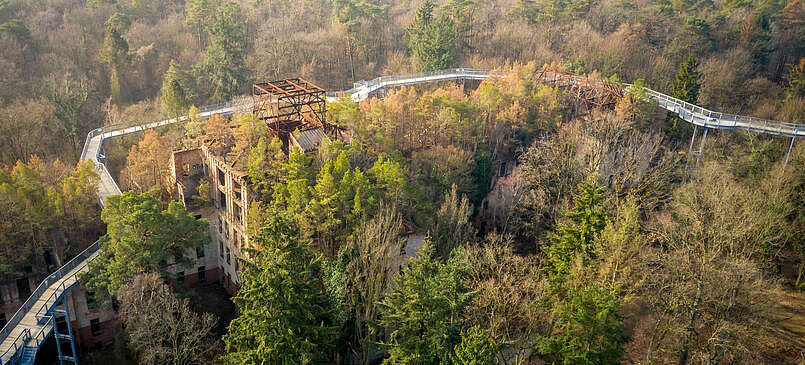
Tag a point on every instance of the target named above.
point(368, 276)
point(162, 328)
point(509, 298)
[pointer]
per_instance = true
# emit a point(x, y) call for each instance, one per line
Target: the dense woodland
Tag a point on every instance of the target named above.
point(605, 243)
point(71, 66)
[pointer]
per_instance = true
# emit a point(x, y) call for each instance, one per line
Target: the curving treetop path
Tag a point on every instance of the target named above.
point(33, 323)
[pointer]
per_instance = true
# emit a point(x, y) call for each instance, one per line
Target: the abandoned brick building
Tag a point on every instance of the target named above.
point(293, 110)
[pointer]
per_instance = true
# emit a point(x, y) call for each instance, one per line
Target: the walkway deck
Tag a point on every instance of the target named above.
point(32, 323)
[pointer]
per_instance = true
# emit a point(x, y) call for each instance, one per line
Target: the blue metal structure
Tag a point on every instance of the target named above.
point(27, 330)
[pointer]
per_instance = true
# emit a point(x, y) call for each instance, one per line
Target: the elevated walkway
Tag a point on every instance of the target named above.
point(34, 321)
point(25, 332)
point(686, 111)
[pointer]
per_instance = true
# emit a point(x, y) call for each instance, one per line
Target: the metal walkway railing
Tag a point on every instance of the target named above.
point(33, 322)
point(686, 111)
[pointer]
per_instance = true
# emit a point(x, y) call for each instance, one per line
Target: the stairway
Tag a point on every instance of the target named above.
point(28, 356)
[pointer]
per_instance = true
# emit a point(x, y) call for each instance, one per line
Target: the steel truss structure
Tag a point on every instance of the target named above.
point(592, 92)
point(291, 104)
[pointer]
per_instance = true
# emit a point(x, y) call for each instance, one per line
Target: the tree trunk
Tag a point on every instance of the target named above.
point(351, 58)
point(683, 358)
point(657, 337)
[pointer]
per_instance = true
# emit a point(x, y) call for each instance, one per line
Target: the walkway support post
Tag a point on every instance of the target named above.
point(788, 154)
point(57, 337)
point(70, 330)
point(690, 150)
point(701, 148)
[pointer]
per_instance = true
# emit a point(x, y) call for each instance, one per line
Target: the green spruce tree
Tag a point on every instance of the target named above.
point(432, 40)
point(577, 235)
point(266, 167)
point(224, 67)
point(284, 316)
point(686, 84)
point(588, 331)
point(422, 312)
point(174, 98)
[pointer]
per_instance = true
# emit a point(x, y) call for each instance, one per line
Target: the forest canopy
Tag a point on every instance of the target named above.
point(499, 221)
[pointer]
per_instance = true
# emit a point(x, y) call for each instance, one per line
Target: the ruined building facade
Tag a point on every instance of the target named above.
point(224, 204)
point(213, 182)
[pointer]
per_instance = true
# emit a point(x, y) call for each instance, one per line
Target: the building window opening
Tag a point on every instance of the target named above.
point(48, 256)
point(221, 248)
point(90, 299)
point(180, 277)
point(199, 252)
point(23, 289)
point(202, 274)
point(236, 188)
point(95, 327)
point(228, 256)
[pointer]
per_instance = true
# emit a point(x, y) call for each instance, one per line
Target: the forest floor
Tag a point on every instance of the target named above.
point(790, 315)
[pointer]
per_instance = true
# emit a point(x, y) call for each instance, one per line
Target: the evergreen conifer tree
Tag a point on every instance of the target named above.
point(477, 347)
point(577, 236)
point(588, 330)
point(686, 84)
point(422, 312)
point(284, 317)
point(432, 40)
point(174, 97)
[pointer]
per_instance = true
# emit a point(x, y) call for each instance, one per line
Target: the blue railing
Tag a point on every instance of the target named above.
point(37, 294)
point(13, 352)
